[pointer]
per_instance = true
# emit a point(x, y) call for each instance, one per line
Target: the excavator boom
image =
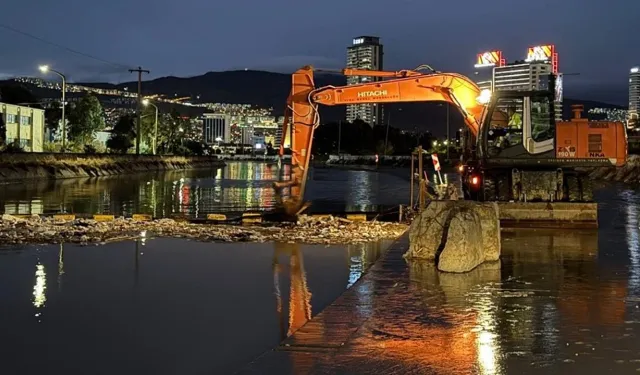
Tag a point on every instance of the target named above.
point(402, 86)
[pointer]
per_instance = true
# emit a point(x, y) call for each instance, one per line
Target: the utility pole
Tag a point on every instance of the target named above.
point(139, 71)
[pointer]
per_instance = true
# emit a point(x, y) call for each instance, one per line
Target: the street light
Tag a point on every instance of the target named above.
point(45, 69)
point(147, 102)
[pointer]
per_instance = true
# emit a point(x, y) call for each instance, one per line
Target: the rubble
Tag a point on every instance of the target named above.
point(310, 230)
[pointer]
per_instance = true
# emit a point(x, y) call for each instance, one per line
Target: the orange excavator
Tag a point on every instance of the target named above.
point(535, 158)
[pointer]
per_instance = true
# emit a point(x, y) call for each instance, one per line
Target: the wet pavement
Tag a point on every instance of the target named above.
point(162, 306)
point(557, 302)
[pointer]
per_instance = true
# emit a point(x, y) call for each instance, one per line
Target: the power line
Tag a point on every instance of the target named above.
point(63, 47)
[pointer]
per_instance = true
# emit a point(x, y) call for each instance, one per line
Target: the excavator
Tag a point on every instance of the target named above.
point(532, 159)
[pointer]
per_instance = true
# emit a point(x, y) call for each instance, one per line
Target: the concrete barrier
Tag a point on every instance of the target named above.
point(548, 215)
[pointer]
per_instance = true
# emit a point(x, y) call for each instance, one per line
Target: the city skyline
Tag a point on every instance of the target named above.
point(192, 37)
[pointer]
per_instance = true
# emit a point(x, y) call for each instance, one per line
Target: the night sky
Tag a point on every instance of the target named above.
point(598, 39)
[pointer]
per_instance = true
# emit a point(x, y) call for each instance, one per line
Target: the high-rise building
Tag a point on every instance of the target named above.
point(527, 76)
point(216, 127)
point(531, 74)
point(485, 62)
point(634, 96)
point(365, 53)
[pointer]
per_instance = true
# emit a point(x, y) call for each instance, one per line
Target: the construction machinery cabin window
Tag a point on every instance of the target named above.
point(506, 123)
point(542, 119)
point(595, 142)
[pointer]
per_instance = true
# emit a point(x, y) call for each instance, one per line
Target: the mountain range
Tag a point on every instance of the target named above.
point(270, 90)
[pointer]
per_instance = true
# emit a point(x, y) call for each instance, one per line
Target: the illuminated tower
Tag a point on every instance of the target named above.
point(365, 53)
point(634, 96)
point(485, 62)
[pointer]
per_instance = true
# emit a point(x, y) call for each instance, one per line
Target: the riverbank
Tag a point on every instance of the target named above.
point(629, 174)
point(308, 230)
point(25, 166)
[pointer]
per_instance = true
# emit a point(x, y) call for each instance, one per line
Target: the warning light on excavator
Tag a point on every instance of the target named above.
point(485, 97)
point(475, 180)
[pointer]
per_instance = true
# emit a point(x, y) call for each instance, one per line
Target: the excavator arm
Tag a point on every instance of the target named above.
point(402, 86)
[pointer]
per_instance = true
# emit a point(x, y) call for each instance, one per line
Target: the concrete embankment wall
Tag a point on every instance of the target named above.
point(630, 173)
point(24, 166)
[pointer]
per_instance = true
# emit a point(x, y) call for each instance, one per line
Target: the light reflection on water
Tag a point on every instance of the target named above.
point(558, 301)
point(239, 186)
point(152, 296)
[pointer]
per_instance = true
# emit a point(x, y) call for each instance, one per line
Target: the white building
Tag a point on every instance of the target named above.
point(216, 127)
point(365, 53)
point(527, 76)
point(634, 96)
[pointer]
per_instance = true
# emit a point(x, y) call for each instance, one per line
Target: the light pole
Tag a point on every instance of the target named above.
point(45, 69)
point(147, 102)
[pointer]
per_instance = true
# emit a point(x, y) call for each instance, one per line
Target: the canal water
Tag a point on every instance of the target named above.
point(162, 306)
point(558, 302)
point(239, 186)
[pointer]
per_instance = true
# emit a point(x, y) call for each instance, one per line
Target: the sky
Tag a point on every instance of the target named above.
point(598, 39)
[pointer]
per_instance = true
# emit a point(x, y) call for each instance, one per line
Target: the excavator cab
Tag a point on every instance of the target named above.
point(524, 154)
point(525, 124)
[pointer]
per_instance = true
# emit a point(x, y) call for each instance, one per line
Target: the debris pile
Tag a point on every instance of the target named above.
point(310, 230)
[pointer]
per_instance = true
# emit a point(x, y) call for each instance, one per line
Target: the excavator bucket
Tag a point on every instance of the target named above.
point(548, 215)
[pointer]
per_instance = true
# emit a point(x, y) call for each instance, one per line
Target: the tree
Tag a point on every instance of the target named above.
point(381, 150)
point(147, 125)
point(52, 117)
point(85, 119)
point(173, 132)
point(122, 135)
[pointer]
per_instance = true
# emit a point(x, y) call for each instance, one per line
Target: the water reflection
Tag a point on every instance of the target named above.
point(40, 287)
point(150, 293)
point(299, 294)
point(361, 257)
point(632, 227)
point(60, 266)
point(239, 186)
point(549, 302)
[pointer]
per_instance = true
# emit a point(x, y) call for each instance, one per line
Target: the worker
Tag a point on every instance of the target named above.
point(515, 120)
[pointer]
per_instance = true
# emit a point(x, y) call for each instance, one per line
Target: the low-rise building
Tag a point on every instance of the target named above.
point(24, 126)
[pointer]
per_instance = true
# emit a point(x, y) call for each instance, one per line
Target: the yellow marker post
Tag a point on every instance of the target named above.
point(103, 218)
point(142, 217)
point(217, 217)
point(21, 216)
point(64, 217)
point(251, 218)
point(357, 217)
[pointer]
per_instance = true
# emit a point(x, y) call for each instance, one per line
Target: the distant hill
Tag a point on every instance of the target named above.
point(265, 89)
point(270, 90)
